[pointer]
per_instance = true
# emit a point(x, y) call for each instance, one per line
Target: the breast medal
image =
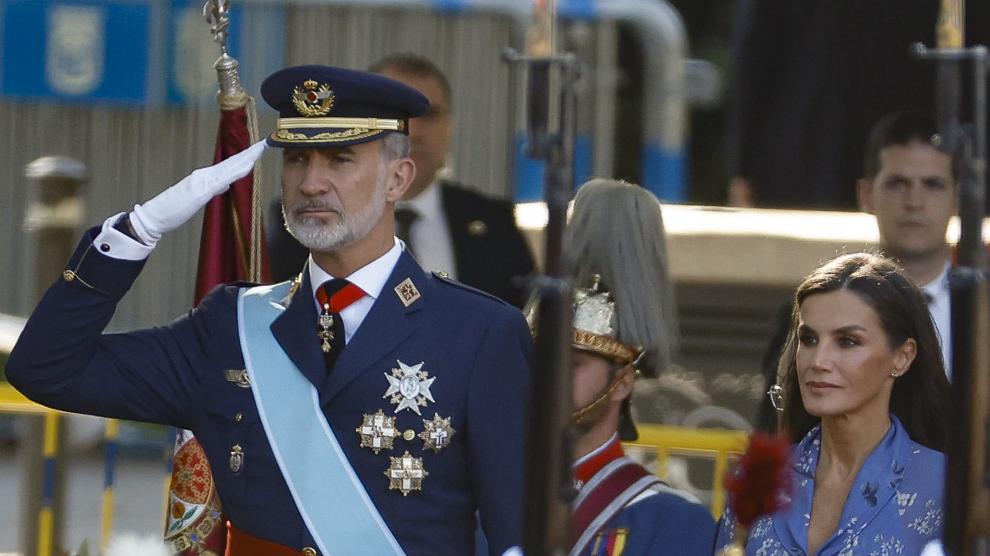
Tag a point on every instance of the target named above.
point(409, 387)
point(437, 433)
point(406, 474)
point(377, 431)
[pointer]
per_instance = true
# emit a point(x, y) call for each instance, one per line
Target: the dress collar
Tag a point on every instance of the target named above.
point(370, 278)
point(586, 466)
point(428, 204)
point(875, 485)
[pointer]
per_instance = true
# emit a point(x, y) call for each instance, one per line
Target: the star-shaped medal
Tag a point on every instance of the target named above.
point(377, 431)
point(436, 433)
point(409, 387)
point(406, 473)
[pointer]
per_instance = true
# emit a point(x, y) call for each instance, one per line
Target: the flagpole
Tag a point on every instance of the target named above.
point(232, 96)
point(967, 481)
point(551, 120)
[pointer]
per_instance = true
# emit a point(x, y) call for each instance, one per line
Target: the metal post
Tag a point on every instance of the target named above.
point(53, 217)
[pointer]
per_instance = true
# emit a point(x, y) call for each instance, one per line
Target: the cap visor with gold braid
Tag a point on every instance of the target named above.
point(324, 106)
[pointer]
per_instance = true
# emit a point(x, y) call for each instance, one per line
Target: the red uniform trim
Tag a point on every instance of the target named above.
point(587, 469)
point(240, 543)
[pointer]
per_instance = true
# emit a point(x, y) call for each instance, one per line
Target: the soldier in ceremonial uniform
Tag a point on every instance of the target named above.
point(622, 327)
point(364, 407)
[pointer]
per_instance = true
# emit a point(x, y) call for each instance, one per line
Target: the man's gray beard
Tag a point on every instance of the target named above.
point(318, 236)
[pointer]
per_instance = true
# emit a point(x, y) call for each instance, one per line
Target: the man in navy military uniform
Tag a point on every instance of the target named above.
point(364, 407)
point(449, 226)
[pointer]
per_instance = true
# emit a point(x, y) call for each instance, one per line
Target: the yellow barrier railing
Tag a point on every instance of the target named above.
point(717, 444)
point(662, 440)
point(12, 401)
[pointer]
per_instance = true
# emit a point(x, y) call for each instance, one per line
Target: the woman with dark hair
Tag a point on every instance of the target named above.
point(864, 396)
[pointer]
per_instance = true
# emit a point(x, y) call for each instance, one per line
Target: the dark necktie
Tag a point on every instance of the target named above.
point(404, 219)
point(334, 296)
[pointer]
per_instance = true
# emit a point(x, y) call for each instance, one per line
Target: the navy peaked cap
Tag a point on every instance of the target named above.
point(324, 106)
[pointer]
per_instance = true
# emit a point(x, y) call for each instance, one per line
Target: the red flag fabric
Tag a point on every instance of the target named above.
point(194, 520)
point(225, 245)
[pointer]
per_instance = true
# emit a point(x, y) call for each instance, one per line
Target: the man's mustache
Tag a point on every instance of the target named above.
point(315, 204)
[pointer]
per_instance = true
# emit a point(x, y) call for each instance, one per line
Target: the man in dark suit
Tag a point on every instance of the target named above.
point(909, 185)
point(810, 79)
point(449, 228)
point(365, 407)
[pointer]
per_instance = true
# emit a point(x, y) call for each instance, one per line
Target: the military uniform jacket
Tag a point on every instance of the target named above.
point(475, 347)
point(658, 520)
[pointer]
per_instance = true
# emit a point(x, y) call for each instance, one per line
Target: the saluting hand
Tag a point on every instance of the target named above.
point(174, 206)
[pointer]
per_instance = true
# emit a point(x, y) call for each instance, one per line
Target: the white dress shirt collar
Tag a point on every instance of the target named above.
point(371, 278)
point(939, 306)
point(428, 204)
point(430, 234)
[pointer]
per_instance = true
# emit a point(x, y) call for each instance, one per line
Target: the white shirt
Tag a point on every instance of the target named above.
point(429, 234)
point(941, 312)
point(118, 245)
point(371, 278)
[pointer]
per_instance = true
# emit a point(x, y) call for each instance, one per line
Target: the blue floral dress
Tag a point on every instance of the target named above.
point(893, 507)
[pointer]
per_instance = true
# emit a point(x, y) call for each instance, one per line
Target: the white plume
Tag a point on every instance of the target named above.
point(129, 544)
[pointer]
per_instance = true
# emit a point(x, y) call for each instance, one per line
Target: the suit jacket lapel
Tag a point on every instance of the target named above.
point(295, 331)
point(388, 323)
point(465, 257)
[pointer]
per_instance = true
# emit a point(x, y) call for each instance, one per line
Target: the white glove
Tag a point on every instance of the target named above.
point(174, 206)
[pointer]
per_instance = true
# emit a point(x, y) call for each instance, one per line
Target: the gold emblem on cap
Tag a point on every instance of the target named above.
point(406, 474)
point(407, 292)
point(313, 99)
point(377, 431)
point(437, 433)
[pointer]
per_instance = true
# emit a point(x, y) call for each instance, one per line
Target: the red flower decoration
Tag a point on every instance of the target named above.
point(762, 480)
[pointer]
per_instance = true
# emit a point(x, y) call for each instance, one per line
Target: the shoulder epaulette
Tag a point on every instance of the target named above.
point(446, 279)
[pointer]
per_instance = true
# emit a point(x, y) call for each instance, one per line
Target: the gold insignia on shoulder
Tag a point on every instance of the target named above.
point(444, 274)
point(436, 433)
point(294, 286)
point(407, 292)
point(406, 474)
point(313, 99)
point(477, 228)
point(377, 431)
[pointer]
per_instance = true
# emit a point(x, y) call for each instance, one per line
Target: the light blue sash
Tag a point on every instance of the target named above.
point(334, 505)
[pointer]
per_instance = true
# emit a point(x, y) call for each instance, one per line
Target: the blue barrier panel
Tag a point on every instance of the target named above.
point(76, 50)
point(529, 172)
point(450, 6)
point(578, 9)
point(663, 173)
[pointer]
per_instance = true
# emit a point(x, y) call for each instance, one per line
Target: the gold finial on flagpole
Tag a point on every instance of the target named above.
point(217, 14)
point(951, 26)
